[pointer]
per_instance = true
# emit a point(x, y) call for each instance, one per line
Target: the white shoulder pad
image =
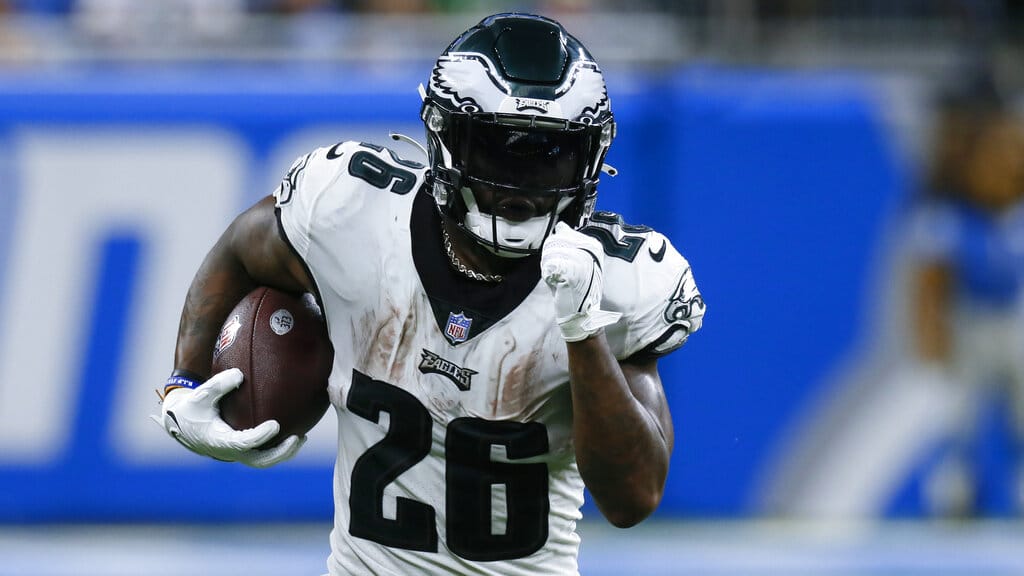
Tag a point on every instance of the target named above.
point(650, 283)
point(330, 188)
point(299, 192)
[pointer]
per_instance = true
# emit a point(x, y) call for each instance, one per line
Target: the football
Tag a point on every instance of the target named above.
point(280, 344)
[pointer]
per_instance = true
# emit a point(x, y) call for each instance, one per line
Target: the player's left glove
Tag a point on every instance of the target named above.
point(571, 263)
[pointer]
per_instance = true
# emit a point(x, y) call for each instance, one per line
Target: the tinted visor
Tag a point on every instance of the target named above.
point(530, 158)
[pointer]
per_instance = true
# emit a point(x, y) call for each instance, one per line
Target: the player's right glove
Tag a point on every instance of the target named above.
point(571, 264)
point(192, 418)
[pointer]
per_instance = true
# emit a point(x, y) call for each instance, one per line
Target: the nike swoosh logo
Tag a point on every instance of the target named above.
point(334, 152)
point(660, 254)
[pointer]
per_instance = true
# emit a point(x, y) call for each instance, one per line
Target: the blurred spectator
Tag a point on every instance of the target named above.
point(159, 21)
point(292, 6)
point(392, 6)
point(968, 280)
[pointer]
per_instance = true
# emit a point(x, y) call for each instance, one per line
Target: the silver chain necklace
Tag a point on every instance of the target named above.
point(461, 268)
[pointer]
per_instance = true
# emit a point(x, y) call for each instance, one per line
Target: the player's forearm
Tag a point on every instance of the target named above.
point(218, 286)
point(931, 311)
point(621, 451)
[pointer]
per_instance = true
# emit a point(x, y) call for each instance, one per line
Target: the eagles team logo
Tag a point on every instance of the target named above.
point(431, 363)
point(532, 104)
point(685, 303)
point(227, 335)
point(457, 329)
point(470, 81)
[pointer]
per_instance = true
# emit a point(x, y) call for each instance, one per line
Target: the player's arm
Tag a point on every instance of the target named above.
point(622, 430)
point(932, 288)
point(251, 252)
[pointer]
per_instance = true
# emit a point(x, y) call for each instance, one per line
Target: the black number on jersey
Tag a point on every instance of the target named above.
point(406, 443)
point(624, 246)
point(380, 173)
point(375, 170)
point(470, 473)
point(398, 159)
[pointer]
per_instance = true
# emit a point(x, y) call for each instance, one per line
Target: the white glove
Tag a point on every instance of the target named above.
point(571, 264)
point(192, 418)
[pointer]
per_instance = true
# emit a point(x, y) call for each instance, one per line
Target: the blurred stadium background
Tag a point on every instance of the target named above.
point(778, 143)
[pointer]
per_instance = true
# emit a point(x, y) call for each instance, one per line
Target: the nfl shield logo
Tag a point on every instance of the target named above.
point(457, 329)
point(227, 335)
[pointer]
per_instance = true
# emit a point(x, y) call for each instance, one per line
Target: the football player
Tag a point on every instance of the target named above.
point(966, 238)
point(496, 339)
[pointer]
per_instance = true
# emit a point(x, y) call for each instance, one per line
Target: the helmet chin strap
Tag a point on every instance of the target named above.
point(513, 239)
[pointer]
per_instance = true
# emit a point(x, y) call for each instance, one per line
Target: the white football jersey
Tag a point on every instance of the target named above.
point(455, 450)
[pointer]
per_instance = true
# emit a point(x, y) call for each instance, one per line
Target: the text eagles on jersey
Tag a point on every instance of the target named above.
point(434, 364)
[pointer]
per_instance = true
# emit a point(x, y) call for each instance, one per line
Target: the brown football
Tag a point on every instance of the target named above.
point(280, 344)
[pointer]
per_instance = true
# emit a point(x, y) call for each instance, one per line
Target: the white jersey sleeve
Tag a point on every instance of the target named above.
point(651, 284)
point(301, 194)
point(329, 199)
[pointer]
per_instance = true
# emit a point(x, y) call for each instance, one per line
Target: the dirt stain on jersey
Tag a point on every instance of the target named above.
point(520, 385)
point(388, 344)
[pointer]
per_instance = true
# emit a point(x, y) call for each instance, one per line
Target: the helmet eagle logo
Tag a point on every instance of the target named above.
point(471, 83)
